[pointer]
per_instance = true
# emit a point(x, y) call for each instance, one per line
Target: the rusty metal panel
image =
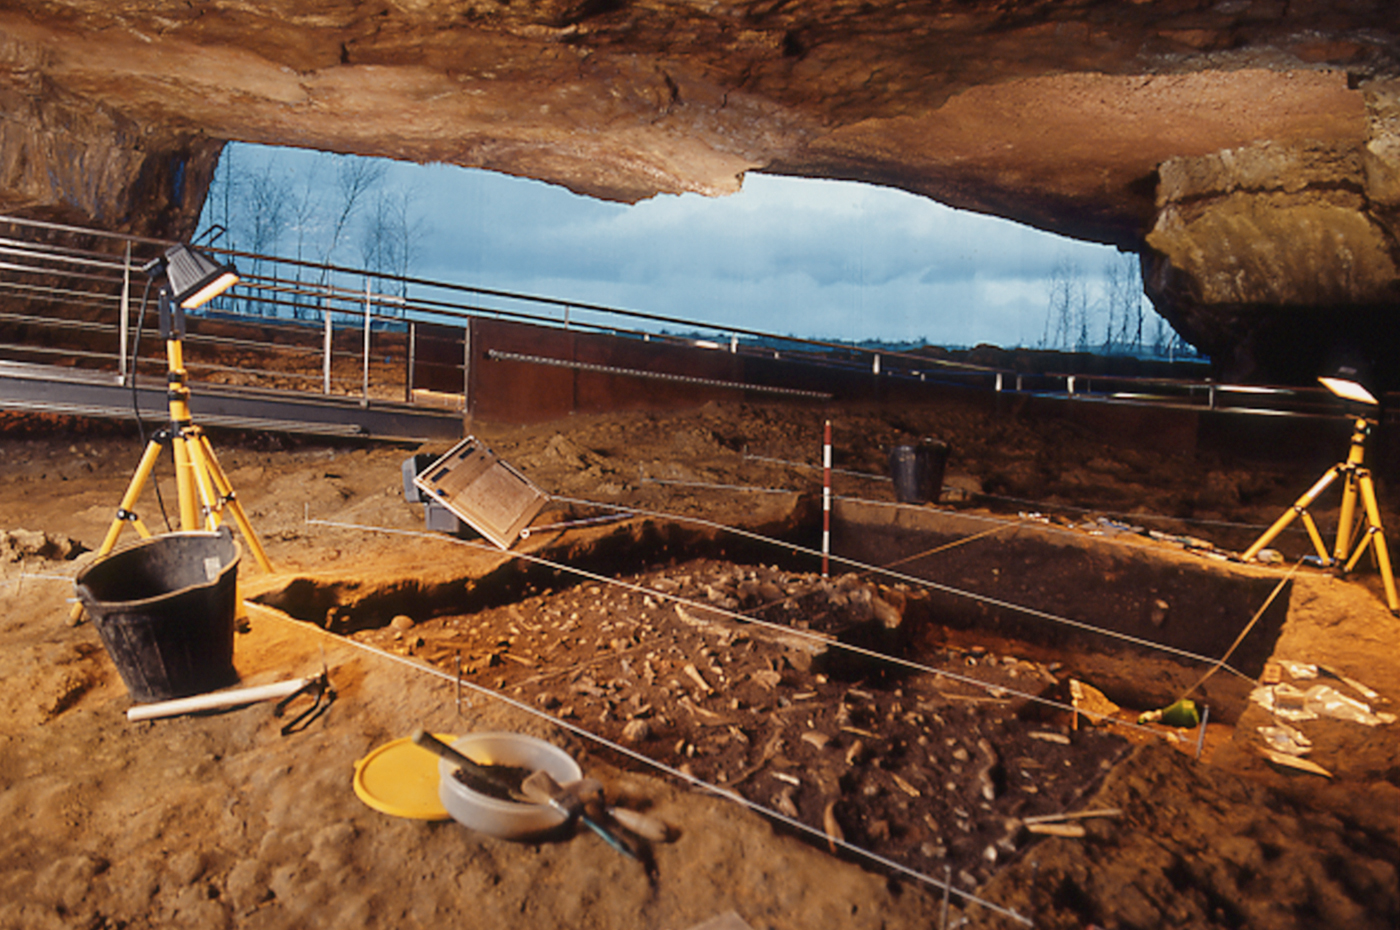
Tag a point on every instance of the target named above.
point(512, 391)
point(598, 392)
point(439, 357)
point(517, 392)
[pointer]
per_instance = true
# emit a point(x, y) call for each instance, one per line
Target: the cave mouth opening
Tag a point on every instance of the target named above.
point(842, 261)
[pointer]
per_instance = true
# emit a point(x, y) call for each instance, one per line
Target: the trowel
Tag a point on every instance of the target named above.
point(543, 789)
point(470, 767)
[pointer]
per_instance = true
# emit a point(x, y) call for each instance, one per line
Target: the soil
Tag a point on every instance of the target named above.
point(718, 657)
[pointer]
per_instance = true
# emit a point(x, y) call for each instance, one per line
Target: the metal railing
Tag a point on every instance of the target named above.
point(79, 297)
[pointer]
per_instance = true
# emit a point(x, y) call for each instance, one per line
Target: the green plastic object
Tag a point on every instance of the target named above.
point(1183, 713)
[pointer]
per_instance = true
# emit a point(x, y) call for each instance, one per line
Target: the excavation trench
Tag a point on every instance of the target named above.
point(1143, 623)
point(735, 661)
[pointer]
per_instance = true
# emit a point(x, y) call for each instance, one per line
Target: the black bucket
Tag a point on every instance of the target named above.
point(918, 471)
point(164, 608)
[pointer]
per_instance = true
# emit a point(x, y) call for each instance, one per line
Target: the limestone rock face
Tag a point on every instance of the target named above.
point(1274, 255)
point(1249, 149)
point(72, 158)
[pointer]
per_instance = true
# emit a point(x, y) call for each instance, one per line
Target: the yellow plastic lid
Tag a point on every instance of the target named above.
point(401, 779)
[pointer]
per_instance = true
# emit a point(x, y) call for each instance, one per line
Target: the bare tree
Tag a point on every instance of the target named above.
point(1080, 300)
point(1123, 300)
point(355, 177)
point(265, 193)
point(1162, 338)
point(303, 210)
point(1067, 326)
point(392, 235)
point(219, 200)
point(1065, 288)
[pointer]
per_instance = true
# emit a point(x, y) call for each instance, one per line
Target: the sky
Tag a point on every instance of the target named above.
point(812, 258)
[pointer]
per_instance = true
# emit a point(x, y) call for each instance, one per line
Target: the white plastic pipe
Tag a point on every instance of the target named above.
point(218, 699)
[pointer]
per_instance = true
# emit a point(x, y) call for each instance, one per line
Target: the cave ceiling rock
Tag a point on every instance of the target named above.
point(1274, 254)
point(1247, 149)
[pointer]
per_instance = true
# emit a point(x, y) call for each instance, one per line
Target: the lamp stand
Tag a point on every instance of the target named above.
point(203, 489)
point(1357, 484)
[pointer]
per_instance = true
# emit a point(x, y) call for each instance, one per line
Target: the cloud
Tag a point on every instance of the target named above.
point(832, 232)
point(816, 258)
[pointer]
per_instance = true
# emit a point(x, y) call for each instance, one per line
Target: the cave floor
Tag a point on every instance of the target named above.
point(220, 820)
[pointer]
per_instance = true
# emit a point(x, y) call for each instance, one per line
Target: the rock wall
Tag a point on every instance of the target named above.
point(1273, 255)
point(1247, 148)
point(70, 158)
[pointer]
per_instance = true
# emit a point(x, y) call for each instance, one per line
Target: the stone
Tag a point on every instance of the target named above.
point(186, 867)
point(783, 803)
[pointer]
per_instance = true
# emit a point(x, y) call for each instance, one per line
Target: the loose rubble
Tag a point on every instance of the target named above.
point(925, 769)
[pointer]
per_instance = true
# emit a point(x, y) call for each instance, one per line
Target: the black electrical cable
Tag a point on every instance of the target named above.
point(135, 401)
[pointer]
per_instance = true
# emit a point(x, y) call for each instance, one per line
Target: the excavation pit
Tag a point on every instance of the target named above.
point(761, 677)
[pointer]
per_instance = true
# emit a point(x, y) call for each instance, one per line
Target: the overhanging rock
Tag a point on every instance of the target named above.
point(1249, 149)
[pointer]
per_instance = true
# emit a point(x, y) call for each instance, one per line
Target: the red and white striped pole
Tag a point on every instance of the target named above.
point(826, 498)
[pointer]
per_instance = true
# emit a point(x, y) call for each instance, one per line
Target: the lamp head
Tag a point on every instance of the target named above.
point(1349, 376)
point(1349, 389)
point(195, 278)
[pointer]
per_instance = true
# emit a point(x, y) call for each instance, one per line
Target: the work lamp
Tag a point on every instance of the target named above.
point(195, 278)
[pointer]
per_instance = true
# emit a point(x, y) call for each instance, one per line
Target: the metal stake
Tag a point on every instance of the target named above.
point(1201, 737)
point(947, 888)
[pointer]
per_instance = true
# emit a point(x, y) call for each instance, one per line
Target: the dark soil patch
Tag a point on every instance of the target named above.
point(924, 769)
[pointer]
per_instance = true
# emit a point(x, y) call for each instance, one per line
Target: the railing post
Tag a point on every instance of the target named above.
point(125, 317)
point(365, 388)
point(467, 364)
point(410, 361)
point(327, 343)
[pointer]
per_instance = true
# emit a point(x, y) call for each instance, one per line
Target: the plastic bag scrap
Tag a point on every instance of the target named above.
point(1286, 701)
point(1357, 686)
point(1298, 670)
point(1283, 738)
point(1186, 542)
point(1103, 526)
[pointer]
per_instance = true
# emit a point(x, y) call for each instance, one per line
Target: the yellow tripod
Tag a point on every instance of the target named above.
point(203, 489)
point(1357, 484)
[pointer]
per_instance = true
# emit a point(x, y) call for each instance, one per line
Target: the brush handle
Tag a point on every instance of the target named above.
point(436, 746)
point(217, 700)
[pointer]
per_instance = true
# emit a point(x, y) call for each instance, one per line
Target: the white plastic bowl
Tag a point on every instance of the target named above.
point(508, 820)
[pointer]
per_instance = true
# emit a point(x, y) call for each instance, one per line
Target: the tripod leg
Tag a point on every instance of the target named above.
point(1316, 537)
point(226, 495)
point(185, 484)
point(1373, 519)
point(211, 504)
point(1300, 506)
point(125, 512)
point(1346, 518)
